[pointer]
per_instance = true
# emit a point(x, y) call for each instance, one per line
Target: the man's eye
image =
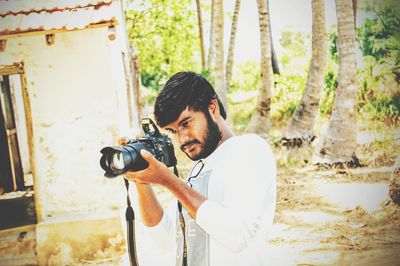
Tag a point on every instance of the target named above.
point(185, 124)
point(171, 131)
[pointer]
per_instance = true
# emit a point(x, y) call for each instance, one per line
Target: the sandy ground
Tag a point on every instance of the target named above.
point(331, 218)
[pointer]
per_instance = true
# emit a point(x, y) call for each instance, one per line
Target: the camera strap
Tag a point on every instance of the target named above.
point(182, 225)
point(130, 222)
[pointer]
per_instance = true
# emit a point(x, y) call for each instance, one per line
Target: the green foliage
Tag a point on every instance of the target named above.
point(386, 110)
point(333, 44)
point(286, 95)
point(152, 80)
point(379, 38)
point(289, 86)
point(328, 93)
point(241, 112)
point(246, 77)
point(165, 36)
point(295, 45)
point(287, 89)
point(331, 82)
point(331, 79)
point(243, 91)
point(377, 80)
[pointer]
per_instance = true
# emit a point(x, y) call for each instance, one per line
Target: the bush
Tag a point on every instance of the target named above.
point(286, 95)
point(242, 93)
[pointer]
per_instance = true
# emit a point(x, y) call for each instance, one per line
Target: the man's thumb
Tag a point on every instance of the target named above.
point(146, 155)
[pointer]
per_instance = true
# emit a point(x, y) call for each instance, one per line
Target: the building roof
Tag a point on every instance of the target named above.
point(23, 16)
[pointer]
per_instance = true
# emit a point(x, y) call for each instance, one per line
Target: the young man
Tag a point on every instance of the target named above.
point(229, 199)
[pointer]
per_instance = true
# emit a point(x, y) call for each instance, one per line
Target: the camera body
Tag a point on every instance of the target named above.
point(117, 160)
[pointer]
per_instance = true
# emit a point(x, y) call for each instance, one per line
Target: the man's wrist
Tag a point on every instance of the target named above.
point(168, 180)
point(142, 186)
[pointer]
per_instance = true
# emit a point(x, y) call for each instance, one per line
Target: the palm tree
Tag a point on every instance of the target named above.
point(135, 68)
point(274, 59)
point(338, 145)
point(301, 124)
point(218, 17)
point(394, 188)
point(200, 26)
point(396, 165)
point(259, 122)
point(211, 51)
point(231, 49)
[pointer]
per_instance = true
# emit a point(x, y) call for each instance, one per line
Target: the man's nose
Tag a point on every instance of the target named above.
point(183, 137)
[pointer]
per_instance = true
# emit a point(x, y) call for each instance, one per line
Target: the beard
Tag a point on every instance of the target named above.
point(211, 139)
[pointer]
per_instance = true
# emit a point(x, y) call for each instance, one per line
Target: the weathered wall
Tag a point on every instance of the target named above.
point(18, 246)
point(84, 240)
point(77, 93)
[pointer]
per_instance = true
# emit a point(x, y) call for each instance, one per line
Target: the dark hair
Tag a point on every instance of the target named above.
point(182, 90)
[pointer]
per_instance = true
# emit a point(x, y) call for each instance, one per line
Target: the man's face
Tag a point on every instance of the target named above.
point(197, 133)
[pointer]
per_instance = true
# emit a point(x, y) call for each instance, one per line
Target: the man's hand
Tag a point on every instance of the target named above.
point(155, 173)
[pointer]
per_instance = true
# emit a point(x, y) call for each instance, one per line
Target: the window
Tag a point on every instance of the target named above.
point(16, 182)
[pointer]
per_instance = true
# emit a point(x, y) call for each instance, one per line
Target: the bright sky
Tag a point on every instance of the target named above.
point(295, 14)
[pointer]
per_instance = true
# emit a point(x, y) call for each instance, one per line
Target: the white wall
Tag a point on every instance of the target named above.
point(77, 94)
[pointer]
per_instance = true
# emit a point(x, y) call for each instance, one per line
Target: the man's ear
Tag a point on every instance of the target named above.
point(213, 107)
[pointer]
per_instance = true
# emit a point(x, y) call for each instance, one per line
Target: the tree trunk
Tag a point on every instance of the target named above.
point(396, 165)
point(259, 122)
point(338, 146)
point(355, 12)
point(229, 61)
point(394, 188)
point(274, 62)
point(136, 86)
point(300, 126)
point(274, 59)
point(219, 51)
point(201, 39)
point(211, 48)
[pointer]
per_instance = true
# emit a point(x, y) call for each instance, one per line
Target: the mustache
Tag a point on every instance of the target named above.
point(190, 142)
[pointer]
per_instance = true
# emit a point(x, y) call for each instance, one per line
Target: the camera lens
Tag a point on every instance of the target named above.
point(117, 162)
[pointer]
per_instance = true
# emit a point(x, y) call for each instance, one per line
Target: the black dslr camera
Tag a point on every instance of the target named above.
point(117, 160)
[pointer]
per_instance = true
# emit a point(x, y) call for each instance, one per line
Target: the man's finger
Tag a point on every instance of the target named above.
point(147, 156)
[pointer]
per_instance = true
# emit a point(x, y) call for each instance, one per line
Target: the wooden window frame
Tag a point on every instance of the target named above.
point(18, 184)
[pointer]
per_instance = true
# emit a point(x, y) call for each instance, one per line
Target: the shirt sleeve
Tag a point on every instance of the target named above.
point(249, 201)
point(164, 233)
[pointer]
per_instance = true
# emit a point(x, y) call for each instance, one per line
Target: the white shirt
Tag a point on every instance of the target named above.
point(240, 205)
